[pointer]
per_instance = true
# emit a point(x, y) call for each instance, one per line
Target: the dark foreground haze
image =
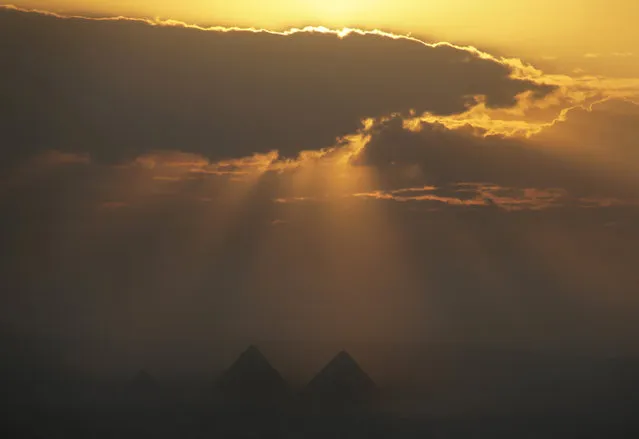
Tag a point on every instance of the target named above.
point(420, 392)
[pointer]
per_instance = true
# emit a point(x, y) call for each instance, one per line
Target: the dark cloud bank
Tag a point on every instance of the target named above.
point(118, 89)
point(591, 154)
point(109, 265)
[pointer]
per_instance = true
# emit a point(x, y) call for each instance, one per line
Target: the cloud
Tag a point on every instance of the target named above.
point(430, 153)
point(118, 89)
point(605, 132)
point(613, 54)
point(476, 195)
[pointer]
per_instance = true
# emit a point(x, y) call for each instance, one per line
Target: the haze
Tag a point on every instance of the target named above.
point(458, 209)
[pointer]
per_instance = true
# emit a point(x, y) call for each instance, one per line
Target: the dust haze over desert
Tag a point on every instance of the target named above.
point(439, 215)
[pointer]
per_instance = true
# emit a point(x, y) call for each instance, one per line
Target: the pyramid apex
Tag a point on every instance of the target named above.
point(341, 381)
point(251, 378)
point(254, 353)
point(343, 358)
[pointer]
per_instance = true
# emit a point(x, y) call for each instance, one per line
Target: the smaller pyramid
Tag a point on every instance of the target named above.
point(252, 380)
point(341, 384)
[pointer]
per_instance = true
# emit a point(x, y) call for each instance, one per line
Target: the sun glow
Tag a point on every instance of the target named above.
point(339, 10)
point(531, 26)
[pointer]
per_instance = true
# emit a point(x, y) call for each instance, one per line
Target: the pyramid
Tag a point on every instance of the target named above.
point(341, 383)
point(252, 380)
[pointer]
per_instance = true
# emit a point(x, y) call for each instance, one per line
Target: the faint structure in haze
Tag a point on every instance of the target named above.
point(341, 385)
point(251, 381)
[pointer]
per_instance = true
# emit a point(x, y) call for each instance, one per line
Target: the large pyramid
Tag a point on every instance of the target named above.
point(341, 384)
point(252, 380)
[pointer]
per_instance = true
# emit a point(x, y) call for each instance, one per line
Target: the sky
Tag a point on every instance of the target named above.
point(170, 183)
point(537, 29)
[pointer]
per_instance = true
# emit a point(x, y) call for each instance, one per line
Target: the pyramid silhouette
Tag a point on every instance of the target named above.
point(341, 383)
point(252, 380)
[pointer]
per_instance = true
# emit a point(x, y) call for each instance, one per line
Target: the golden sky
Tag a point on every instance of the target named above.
point(541, 27)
